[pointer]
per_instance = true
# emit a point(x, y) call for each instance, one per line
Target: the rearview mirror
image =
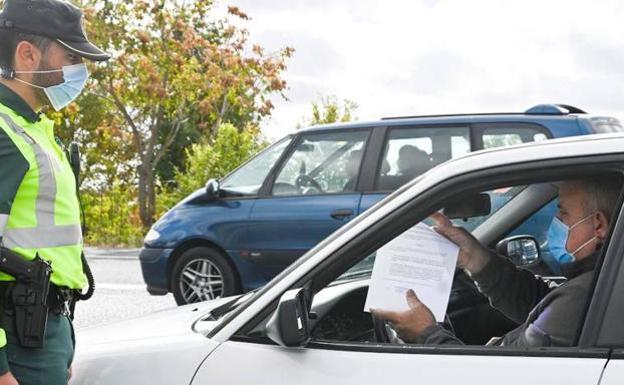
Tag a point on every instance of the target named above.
point(289, 325)
point(468, 206)
point(212, 190)
point(521, 249)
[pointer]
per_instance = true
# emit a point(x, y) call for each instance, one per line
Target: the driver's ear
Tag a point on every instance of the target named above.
point(601, 225)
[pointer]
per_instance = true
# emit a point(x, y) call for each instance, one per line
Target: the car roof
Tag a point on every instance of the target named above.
point(443, 120)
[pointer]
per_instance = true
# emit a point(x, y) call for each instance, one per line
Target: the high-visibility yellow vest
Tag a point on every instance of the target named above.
point(45, 216)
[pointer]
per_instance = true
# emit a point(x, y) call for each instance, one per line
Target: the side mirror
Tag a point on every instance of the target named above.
point(289, 325)
point(212, 190)
point(473, 205)
point(521, 249)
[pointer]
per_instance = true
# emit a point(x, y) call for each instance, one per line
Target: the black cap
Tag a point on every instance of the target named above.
point(56, 19)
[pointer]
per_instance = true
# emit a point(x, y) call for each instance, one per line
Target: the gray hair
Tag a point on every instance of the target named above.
point(603, 193)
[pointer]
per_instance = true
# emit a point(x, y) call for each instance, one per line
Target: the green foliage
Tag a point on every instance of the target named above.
point(112, 217)
point(329, 110)
point(203, 161)
point(177, 73)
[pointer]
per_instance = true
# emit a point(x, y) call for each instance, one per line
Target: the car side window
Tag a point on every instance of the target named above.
point(412, 151)
point(322, 164)
point(499, 135)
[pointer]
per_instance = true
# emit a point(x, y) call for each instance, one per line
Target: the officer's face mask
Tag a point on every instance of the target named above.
point(74, 79)
point(558, 238)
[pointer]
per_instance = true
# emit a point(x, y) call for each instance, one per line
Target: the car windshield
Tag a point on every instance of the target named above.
point(247, 179)
point(498, 199)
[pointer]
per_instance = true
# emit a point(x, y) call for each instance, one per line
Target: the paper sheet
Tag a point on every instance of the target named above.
point(419, 259)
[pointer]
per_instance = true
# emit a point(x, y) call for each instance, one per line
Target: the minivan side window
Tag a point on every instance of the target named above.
point(322, 164)
point(498, 135)
point(248, 179)
point(412, 151)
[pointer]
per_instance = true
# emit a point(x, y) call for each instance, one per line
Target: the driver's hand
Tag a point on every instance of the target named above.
point(472, 255)
point(410, 323)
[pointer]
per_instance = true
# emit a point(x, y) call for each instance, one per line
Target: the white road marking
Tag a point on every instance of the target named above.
point(118, 286)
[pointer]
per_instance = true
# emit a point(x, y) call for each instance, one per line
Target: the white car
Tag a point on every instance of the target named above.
point(308, 325)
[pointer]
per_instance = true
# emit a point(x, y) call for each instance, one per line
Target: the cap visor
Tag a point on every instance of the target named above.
point(85, 49)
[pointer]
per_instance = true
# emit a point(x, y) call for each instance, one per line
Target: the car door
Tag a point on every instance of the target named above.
point(608, 314)
point(344, 362)
point(313, 194)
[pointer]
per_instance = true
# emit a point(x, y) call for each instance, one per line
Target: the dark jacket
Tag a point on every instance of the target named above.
point(548, 314)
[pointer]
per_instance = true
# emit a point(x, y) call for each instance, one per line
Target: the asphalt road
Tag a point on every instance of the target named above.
point(119, 289)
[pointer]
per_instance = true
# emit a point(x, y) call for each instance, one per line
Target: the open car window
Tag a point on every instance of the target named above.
point(498, 198)
point(472, 314)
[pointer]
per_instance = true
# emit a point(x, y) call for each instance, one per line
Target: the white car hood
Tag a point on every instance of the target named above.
point(161, 348)
point(164, 323)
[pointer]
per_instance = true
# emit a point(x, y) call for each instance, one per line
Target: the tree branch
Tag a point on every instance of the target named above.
point(225, 106)
point(136, 134)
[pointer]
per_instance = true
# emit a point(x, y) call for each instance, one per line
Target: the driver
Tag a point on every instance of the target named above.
point(548, 314)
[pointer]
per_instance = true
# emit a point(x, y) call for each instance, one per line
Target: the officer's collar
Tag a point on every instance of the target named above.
point(9, 98)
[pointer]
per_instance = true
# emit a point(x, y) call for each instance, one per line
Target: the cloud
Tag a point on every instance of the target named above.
point(443, 56)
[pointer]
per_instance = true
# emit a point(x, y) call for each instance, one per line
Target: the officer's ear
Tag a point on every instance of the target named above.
point(601, 225)
point(27, 56)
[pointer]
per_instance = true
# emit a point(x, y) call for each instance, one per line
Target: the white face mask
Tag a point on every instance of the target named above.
point(60, 95)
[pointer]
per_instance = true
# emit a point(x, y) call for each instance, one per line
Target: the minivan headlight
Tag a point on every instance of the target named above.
point(152, 235)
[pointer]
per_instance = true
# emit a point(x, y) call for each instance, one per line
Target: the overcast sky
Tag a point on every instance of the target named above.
point(435, 56)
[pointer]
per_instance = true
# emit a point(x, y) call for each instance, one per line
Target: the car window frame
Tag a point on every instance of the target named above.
point(266, 191)
point(512, 174)
point(600, 324)
point(374, 187)
point(478, 130)
point(279, 159)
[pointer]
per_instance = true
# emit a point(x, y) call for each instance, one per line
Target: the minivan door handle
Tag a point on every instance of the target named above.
point(341, 214)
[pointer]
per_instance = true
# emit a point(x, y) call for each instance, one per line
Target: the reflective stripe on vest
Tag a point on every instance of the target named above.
point(3, 221)
point(46, 234)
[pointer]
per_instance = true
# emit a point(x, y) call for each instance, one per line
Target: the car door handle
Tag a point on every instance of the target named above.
point(341, 214)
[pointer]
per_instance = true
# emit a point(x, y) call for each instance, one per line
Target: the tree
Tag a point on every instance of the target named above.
point(203, 161)
point(329, 110)
point(175, 74)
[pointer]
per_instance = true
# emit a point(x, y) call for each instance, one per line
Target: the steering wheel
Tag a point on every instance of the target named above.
point(304, 180)
point(385, 333)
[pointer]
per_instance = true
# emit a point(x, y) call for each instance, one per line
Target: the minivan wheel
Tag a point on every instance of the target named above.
point(201, 274)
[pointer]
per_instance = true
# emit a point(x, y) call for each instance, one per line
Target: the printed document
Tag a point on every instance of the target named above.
point(419, 259)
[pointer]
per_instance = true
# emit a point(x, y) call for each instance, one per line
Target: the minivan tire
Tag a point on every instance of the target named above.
point(196, 273)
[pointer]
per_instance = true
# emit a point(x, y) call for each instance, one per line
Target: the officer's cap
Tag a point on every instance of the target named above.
point(56, 19)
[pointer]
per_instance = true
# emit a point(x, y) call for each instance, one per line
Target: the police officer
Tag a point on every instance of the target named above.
point(42, 47)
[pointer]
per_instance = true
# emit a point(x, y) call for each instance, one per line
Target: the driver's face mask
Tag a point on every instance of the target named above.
point(558, 238)
point(74, 79)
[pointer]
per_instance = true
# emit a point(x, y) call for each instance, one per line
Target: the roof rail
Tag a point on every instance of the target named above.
point(540, 109)
point(450, 115)
point(553, 109)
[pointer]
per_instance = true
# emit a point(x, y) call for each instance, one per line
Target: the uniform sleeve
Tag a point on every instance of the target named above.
point(13, 167)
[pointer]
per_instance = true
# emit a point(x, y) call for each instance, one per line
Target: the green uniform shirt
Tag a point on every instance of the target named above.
point(39, 210)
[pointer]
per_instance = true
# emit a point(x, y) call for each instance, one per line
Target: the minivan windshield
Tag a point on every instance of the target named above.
point(247, 179)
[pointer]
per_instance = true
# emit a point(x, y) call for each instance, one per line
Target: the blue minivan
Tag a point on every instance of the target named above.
point(237, 233)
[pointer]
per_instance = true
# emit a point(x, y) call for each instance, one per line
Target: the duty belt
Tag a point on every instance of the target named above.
point(59, 298)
